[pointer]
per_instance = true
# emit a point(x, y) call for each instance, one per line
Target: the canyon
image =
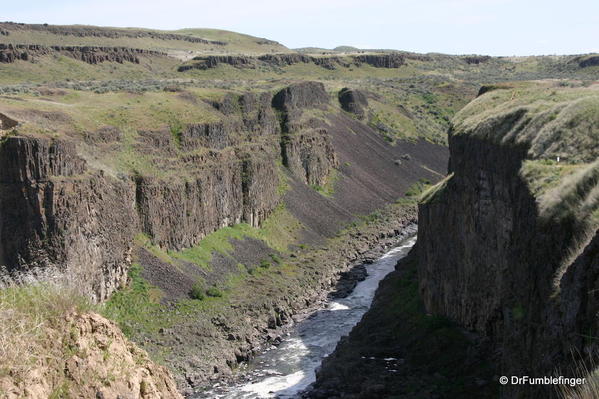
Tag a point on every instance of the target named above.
point(205, 199)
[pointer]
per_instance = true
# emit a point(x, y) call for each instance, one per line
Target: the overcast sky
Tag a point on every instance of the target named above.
point(495, 27)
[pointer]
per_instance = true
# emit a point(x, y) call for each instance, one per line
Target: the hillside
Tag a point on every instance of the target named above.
point(184, 43)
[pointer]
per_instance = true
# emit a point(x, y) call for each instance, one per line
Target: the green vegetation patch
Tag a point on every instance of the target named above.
point(328, 189)
point(219, 241)
point(280, 230)
point(137, 307)
point(575, 198)
point(434, 192)
point(552, 118)
point(542, 175)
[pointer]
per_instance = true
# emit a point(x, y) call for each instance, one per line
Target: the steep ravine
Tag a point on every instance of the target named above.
point(506, 255)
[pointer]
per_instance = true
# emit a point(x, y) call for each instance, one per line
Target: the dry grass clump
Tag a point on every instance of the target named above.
point(31, 303)
point(588, 390)
point(577, 196)
point(574, 203)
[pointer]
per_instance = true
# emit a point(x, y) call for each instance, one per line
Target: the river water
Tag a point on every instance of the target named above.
point(287, 369)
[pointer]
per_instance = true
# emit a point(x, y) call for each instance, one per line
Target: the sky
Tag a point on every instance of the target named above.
point(494, 27)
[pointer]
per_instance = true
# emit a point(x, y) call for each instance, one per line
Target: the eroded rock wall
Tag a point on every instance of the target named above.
point(56, 212)
point(75, 364)
point(491, 261)
point(306, 145)
point(90, 54)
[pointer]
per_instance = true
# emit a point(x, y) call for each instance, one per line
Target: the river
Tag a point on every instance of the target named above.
point(287, 369)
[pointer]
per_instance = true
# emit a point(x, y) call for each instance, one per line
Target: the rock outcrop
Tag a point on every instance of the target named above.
point(305, 144)
point(57, 212)
point(589, 62)
point(353, 101)
point(516, 261)
point(227, 190)
point(387, 60)
point(291, 59)
point(90, 54)
point(390, 60)
point(300, 95)
point(7, 123)
point(213, 61)
point(477, 59)
point(78, 366)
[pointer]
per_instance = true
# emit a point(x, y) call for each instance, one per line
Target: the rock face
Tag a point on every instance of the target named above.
point(92, 340)
point(353, 101)
point(291, 59)
point(56, 212)
point(7, 123)
point(300, 95)
point(477, 59)
point(213, 61)
point(589, 62)
point(392, 60)
point(90, 54)
point(515, 266)
point(305, 144)
point(226, 191)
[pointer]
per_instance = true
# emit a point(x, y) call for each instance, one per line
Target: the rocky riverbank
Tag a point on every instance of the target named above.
point(209, 344)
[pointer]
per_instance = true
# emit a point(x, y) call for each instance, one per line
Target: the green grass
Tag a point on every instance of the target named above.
point(219, 241)
point(278, 231)
point(214, 292)
point(575, 198)
point(137, 307)
point(198, 291)
point(328, 189)
point(415, 192)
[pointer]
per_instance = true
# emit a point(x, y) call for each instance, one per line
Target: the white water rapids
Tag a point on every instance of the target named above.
point(285, 370)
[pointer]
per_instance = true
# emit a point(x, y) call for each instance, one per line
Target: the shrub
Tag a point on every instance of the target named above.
point(276, 258)
point(197, 291)
point(214, 292)
point(265, 264)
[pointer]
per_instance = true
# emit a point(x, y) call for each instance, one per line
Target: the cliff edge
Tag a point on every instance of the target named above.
point(508, 243)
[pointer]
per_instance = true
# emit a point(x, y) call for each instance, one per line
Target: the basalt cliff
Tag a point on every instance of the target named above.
point(513, 230)
point(505, 270)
